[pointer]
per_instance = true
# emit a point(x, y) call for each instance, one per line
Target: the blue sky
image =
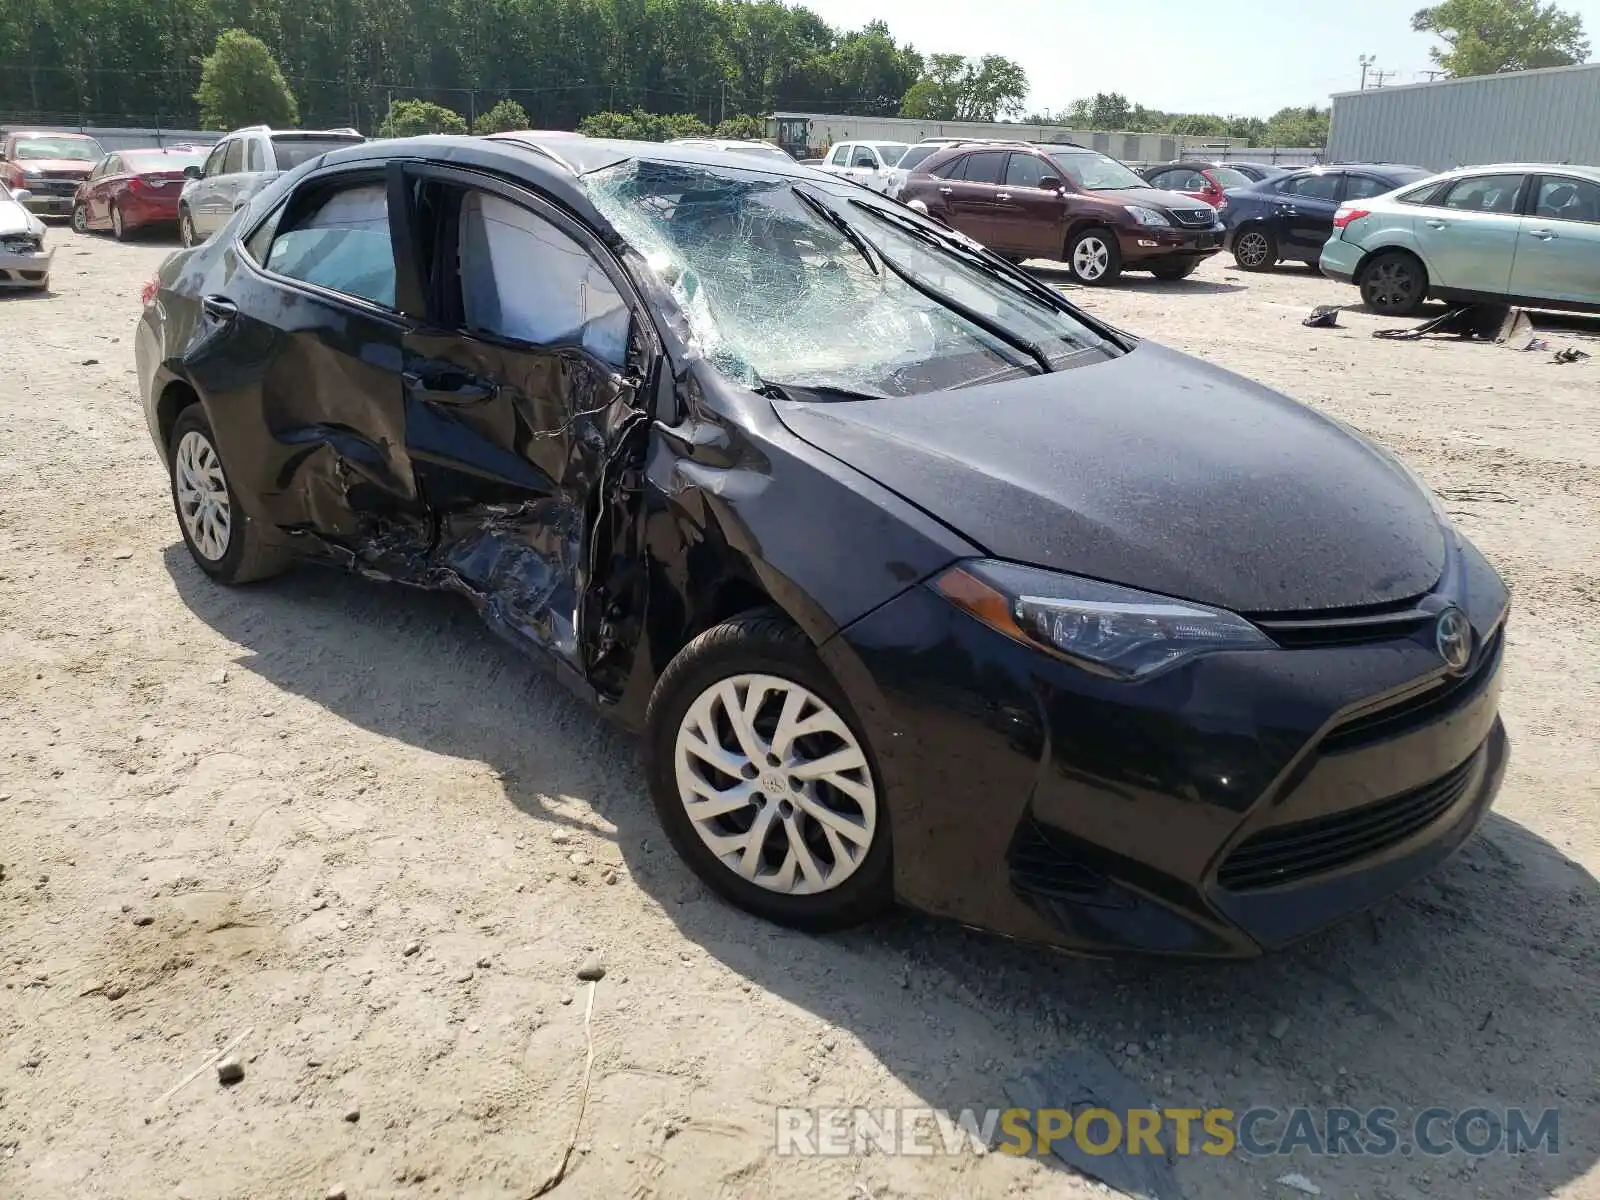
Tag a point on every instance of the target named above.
point(1227, 56)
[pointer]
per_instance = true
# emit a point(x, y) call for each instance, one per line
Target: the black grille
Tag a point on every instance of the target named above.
point(1040, 868)
point(52, 187)
point(1289, 853)
point(1201, 217)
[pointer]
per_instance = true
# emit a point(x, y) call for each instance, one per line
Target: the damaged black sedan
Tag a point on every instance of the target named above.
point(917, 581)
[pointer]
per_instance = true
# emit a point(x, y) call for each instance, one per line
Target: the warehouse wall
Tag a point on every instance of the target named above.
point(1527, 116)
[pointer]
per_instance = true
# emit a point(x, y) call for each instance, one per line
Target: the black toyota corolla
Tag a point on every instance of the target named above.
point(917, 581)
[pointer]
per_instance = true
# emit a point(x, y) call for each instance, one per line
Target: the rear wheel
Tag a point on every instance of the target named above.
point(1178, 269)
point(224, 542)
point(763, 779)
point(1394, 283)
point(1094, 257)
point(1255, 250)
point(118, 229)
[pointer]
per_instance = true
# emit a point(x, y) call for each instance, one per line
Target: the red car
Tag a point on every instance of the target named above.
point(48, 166)
point(1199, 180)
point(130, 189)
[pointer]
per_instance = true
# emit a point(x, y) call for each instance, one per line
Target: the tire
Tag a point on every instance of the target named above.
point(1171, 272)
point(118, 229)
point(1394, 283)
point(1255, 249)
point(186, 234)
point(243, 554)
point(80, 219)
point(764, 649)
point(1093, 257)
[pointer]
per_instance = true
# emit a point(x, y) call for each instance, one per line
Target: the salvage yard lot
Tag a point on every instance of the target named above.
point(345, 827)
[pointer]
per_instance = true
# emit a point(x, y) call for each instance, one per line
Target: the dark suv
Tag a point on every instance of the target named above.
point(1064, 202)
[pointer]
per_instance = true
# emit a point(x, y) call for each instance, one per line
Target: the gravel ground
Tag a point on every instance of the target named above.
point(346, 833)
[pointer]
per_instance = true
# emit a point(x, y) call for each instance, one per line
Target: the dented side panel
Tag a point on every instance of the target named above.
point(304, 396)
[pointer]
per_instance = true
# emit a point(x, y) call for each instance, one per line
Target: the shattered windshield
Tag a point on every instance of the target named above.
point(781, 288)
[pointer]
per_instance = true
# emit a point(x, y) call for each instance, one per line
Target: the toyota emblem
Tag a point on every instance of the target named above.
point(1453, 637)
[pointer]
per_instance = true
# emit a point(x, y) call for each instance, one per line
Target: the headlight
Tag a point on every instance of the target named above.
point(1101, 627)
point(31, 172)
point(1146, 216)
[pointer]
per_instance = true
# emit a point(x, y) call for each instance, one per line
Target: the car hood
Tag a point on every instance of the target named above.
point(1153, 470)
point(58, 166)
point(14, 220)
point(1150, 198)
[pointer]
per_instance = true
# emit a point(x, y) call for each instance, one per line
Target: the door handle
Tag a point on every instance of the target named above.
point(1434, 223)
point(945, 191)
point(1544, 235)
point(1002, 195)
point(448, 389)
point(1288, 210)
point(219, 308)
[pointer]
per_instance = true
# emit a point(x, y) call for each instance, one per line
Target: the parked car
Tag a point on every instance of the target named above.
point(735, 146)
point(24, 261)
point(1254, 171)
point(240, 165)
point(867, 163)
point(1525, 234)
point(48, 166)
point(1197, 181)
point(1290, 217)
point(1064, 202)
point(132, 189)
point(895, 177)
point(1021, 619)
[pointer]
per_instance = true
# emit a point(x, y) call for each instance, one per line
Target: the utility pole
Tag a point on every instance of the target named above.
point(1379, 76)
point(1366, 61)
point(1432, 75)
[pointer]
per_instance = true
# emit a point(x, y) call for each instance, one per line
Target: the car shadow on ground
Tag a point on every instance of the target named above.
point(1474, 988)
point(1061, 276)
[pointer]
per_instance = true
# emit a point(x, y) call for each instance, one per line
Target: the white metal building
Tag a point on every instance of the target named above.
point(1552, 115)
point(813, 133)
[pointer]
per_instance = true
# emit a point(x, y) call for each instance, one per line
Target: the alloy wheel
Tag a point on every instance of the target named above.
point(117, 230)
point(202, 495)
point(1090, 258)
point(80, 219)
point(775, 784)
point(1392, 283)
point(186, 231)
point(1251, 250)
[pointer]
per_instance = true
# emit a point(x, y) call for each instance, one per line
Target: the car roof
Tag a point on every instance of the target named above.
point(49, 133)
point(1588, 172)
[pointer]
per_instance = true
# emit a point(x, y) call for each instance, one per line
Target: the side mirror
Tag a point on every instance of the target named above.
point(21, 195)
point(192, 171)
point(1050, 183)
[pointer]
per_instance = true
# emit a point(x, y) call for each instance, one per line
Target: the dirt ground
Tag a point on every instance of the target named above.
point(346, 830)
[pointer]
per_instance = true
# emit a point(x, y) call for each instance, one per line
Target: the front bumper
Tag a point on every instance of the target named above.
point(1222, 809)
point(50, 198)
point(25, 268)
point(1144, 243)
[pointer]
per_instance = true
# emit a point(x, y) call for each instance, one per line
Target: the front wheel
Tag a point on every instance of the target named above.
point(1255, 250)
point(1173, 271)
point(186, 237)
point(1394, 284)
point(223, 541)
point(80, 219)
point(1094, 257)
point(763, 780)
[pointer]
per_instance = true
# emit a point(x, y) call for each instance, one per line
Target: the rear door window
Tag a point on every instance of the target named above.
point(1360, 187)
point(255, 157)
point(234, 163)
point(1313, 187)
point(342, 245)
point(987, 166)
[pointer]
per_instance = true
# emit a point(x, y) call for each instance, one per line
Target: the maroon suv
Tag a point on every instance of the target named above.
point(1068, 203)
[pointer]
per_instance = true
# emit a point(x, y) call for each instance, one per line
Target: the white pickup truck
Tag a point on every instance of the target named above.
point(868, 163)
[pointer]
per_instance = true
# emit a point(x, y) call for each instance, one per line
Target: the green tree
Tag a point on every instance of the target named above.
point(1297, 127)
point(502, 118)
point(953, 88)
point(642, 126)
point(240, 84)
point(1109, 110)
point(1486, 37)
point(745, 128)
point(408, 118)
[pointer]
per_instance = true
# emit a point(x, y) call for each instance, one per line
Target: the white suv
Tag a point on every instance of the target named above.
point(240, 165)
point(868, 163)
